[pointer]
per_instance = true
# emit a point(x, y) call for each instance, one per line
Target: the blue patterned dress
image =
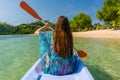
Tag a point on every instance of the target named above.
point(56, 65)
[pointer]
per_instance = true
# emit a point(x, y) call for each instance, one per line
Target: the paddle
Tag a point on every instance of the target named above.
point(29, 10)
point(81, 53)
point(33, 13)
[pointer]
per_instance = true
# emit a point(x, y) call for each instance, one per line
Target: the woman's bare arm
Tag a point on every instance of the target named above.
point(40, 29)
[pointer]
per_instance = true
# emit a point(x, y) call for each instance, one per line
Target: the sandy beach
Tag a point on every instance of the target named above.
point(99, 34)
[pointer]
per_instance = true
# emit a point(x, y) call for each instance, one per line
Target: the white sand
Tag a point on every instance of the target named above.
point(99, 34)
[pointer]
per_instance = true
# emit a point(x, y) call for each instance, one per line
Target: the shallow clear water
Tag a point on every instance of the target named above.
point(17, 55)
point(19, 52)
point(103, 59)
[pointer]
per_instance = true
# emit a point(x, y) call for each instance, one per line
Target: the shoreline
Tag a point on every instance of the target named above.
point(114, 34)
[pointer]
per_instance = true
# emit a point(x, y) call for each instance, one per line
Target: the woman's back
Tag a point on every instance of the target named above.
point(61, 66)
point(51, 62)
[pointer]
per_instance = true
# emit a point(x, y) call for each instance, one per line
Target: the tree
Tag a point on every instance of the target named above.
point(118, 19)
point(82, 21)
point(73, 24)
point(97, 24)
point(110, 12)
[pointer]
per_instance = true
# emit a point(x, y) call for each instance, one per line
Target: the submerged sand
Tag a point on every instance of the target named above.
point(99, 34)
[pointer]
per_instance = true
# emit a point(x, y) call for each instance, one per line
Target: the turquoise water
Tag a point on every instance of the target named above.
point(19, 52)
point(103, 59)
point(17, 55)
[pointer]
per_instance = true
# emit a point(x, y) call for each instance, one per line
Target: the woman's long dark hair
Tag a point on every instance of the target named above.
point(63, 40)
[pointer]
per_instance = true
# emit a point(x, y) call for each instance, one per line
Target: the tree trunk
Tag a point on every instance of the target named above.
point(114, 25)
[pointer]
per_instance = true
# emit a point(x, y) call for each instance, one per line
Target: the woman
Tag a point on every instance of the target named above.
point(59, 59)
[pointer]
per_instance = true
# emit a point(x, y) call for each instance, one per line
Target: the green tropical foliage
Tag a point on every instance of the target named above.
point(6, 29)
point(73, 25)
point(81, 21)
point(110, 12)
